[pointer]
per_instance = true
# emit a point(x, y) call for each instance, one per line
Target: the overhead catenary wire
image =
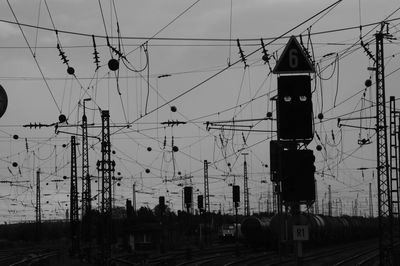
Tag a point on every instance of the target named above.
point(34, 57)
point(234, 63)
point(228, 40)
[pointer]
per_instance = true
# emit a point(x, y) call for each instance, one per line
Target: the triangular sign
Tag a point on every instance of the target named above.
point(293, 59)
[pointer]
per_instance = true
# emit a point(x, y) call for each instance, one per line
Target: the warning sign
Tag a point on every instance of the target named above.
point(293, 59)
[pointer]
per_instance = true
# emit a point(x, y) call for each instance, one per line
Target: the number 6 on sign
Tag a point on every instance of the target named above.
point(293, 58)
point(300, 232)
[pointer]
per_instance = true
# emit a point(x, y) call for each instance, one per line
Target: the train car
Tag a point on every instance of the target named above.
point(256, 231)
point(227, 232)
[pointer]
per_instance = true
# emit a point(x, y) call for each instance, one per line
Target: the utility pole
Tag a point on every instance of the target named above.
point(106, 166)
point(206, 188)
point(74, 213)
point(236, 201)
point(134, 197)
point(275, 197)
point(206, 212)
point(329, 201)
point(371, 210)
point(316, 204)
point(384, 202)
point(269, 199)
point(336, 207)
point(86, 182)
point(38, 209)
point(245, 187)
point(356, 206)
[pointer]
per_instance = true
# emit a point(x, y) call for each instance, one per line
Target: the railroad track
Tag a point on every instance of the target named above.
point(180, 257)
point(321, 256)
point(37, 258)
point(25, 256)
point(253, 259)
point(359, 259)
point(366, 257)
point(342, 255)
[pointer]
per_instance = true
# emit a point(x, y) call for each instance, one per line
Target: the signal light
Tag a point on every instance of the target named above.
point(294, 108)
point(200, 204)
point(297, 173)
point(275, 149)
point(236, 193)
point(188, 192)
point(161, 201)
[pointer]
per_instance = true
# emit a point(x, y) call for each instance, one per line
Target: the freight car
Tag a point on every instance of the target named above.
point(322, 229)
point(256, 231)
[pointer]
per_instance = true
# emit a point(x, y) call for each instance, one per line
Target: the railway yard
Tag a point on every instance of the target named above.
point(331, 241)
point(218, 133)
point(357, 253)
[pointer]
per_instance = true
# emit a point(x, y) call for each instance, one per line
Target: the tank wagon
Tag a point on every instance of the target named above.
point(322, 229)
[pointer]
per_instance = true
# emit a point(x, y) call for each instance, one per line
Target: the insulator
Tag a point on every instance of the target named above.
point(95, 53)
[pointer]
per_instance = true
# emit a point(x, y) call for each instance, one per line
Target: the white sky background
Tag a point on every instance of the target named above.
point(189, 63)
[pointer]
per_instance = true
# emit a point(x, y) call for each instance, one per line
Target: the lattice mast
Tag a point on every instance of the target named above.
point(206, 188)
point(246, 188)
point(86, 182)
point(106, 166)
point(74, 210)
point(383, 177)
point(394, 163)
point(38, 208)
point(86, 187)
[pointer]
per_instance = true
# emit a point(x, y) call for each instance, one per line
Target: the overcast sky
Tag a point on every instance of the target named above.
point(187, 44)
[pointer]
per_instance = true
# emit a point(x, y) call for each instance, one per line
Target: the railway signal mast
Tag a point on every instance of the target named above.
point(292, 169)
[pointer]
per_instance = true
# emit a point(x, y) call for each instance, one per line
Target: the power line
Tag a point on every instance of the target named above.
point(89, 35)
